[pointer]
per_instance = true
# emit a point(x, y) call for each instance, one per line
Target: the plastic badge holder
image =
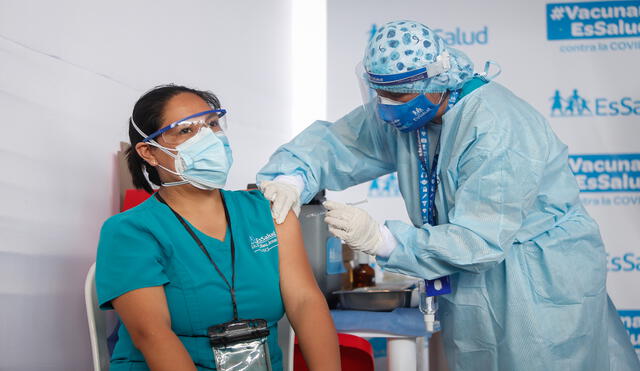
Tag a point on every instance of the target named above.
point(241, 345)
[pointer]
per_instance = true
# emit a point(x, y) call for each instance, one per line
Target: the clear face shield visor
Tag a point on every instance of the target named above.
point(184, 129)
point(370, 98)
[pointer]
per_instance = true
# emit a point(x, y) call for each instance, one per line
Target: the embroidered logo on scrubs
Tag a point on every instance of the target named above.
point(264, 243)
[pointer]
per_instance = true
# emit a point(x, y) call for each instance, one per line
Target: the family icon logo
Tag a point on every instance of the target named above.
point(385, 186)
point(576, 105)
point(573, 105)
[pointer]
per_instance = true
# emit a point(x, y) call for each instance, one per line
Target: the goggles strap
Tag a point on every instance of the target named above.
point(150, 141)
point(135, 126)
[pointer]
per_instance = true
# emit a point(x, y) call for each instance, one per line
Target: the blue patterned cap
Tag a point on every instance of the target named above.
point(402, 46)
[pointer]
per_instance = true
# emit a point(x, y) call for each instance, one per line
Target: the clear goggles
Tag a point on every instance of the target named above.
point(182, 130)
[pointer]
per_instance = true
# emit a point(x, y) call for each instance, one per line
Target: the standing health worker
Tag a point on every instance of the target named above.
point(493, 203)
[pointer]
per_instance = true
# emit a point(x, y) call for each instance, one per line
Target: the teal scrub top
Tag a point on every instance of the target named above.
point(147, 246)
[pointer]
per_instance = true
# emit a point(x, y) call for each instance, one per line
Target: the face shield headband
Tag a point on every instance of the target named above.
point(442, 64)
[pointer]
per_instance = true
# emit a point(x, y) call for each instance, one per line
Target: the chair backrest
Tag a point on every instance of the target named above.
point(97, 323)
point(286, 339)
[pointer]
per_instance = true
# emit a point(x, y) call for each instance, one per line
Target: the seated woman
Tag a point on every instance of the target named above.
point(193, 255)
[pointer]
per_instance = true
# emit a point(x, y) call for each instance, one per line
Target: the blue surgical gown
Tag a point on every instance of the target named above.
point(526, 261)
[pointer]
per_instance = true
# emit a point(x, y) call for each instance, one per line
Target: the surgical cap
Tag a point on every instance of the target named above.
point(402, 46)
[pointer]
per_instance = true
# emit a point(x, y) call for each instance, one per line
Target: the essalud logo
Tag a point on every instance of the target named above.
point(573, 105)
point(576, 105)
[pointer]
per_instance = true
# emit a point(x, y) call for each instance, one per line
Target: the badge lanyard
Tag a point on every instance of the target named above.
point(231, 286)
point(428, 184)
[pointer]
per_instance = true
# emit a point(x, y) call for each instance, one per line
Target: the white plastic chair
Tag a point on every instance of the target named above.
point(286, 340)
point(98, 320)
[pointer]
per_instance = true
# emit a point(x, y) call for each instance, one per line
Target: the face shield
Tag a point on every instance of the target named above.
point(405, 116)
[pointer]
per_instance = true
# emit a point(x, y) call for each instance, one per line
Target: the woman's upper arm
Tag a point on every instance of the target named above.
point(296, 277)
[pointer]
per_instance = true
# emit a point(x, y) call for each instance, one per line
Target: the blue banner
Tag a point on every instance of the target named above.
point(593, 20)
point(631, 320)
point(607, 172)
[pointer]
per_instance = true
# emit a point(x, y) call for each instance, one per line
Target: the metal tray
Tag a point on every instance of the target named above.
point(377, 299)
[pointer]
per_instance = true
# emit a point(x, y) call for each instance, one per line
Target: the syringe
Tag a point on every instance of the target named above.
point(348, 203)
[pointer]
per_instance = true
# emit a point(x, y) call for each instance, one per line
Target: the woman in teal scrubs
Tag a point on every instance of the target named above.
point(193, 254)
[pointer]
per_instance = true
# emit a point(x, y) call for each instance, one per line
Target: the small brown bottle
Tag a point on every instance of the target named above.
point(363, 274)
point(347, 261)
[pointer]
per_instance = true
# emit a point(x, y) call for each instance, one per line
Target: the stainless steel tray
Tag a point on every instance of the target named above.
point(377, 299)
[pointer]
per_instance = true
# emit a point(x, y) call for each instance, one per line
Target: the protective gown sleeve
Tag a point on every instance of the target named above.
point(335, 156)
point(495, 179)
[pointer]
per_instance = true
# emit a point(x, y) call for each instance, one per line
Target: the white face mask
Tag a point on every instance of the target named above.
point(202, 161)
point(389, 102)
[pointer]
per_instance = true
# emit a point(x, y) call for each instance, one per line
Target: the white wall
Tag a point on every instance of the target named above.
point(70, 72)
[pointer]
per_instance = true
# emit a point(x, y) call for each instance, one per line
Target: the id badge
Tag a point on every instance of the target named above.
point(241, 345)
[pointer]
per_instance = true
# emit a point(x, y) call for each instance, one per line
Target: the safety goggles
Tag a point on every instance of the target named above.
point(182, 130)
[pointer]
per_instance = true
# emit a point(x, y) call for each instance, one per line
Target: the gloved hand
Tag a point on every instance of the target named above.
point(354, 226)
point(284, 197)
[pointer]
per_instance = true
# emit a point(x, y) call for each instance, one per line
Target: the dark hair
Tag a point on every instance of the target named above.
point(148, 114)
